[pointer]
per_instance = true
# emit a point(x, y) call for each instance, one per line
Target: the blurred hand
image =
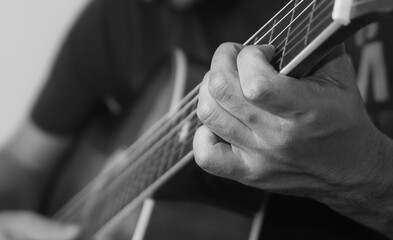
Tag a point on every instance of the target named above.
point(26, 225)
point(307, 137)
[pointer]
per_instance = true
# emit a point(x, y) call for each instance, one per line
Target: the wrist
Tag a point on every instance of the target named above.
point(20, 188)
point(369, 198)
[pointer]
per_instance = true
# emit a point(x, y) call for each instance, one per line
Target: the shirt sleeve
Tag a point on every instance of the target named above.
point(110, 45)
point(67, 100)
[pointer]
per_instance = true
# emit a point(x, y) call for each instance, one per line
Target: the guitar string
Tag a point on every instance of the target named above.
point(300, 41)
point(83, 194)
point(302, 12)
point(158, 146)
point(301, 30)
point(267, 24)
point(186, 100)
point(280, 21)
point(279, 47)
point(195, 91)
point(169, 134)
point(195, 98)
point(187, 141)
point(181, 112)
point(151, 177)
point(183, 104)
point(135, 146)
point(290, 24)
point(75, 214)
point(294, 47)
point(281, 11)
point(287, 14)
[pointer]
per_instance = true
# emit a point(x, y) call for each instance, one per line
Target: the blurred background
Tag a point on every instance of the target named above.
point(30, 33)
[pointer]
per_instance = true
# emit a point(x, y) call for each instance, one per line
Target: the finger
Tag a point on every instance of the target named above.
point(264, 87)
point(215, 156)
point(220, 121)
point(225, 57)
point(224, 87)
point(25, 225)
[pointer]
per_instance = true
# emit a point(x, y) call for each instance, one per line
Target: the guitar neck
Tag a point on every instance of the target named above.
point(303, 32)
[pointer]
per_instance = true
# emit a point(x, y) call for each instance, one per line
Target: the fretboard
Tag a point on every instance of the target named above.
point(169, 143)
point(293, 28)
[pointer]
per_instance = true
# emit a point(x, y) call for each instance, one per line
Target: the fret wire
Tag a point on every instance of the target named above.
point(273, 28)
point(292, 39)
point(282, 19)
point(298, 33)
point(272, 31)
point(309, 22)
point(270, 21)
point(282, 42)
point(288, 31)
point(286, 28)
point(311, 31)
point(326, 7)
point(326, 18)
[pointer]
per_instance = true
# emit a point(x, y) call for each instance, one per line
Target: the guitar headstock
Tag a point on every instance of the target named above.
point(347, 10)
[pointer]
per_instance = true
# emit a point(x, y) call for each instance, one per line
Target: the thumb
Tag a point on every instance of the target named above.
point(26, 225)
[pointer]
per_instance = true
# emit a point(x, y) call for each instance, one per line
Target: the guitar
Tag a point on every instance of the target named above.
point(304, 32)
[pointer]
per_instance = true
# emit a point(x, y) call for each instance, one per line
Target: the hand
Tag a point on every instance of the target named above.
point(26, 225)
point(307, 137)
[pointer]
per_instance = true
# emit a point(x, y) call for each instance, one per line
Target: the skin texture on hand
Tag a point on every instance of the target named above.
point(307, 137)
point(25, 225)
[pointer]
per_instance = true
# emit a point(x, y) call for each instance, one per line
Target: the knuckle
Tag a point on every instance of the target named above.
point(226, 47)
point(257, 89)
point(218, 86)
point(206, 113)
point(248, 53)
point(203, 159)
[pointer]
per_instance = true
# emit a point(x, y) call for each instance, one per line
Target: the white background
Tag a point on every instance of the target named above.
point(30, 34)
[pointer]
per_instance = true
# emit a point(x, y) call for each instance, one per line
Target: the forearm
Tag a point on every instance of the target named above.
point(369, 200)
point(26, 163)
point(20, 188)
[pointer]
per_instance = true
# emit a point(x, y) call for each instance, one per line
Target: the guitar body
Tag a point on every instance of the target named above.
point(189, 206)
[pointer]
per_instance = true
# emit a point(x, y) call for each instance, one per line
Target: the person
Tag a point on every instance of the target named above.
point(101, 71)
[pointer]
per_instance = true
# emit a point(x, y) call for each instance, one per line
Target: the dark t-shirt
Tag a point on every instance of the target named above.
point(115, 44)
